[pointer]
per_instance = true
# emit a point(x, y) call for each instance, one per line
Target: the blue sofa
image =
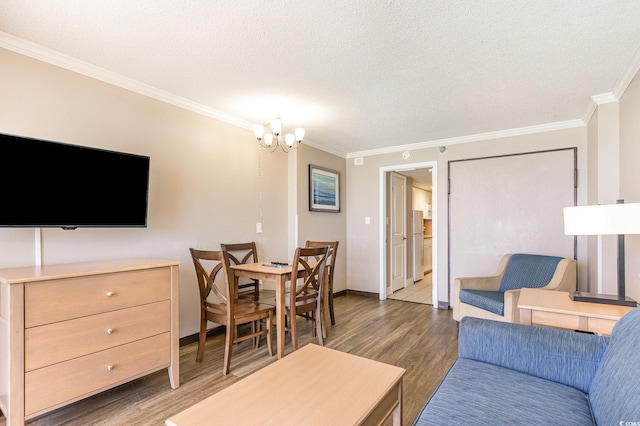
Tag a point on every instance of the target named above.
point(512, 374)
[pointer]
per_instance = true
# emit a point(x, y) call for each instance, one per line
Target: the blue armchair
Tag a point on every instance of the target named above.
point(496, 297)
point(513, 374)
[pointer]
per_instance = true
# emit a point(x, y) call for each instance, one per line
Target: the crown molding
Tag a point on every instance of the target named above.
point(618, 89)
point(56, 58)
point(604, 98)
point(53, 57)
point(625, 80)
point(560, 125)
point(325, 149)
point(601, 99)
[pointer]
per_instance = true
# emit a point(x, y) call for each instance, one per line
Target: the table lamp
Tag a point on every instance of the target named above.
point(609, 219)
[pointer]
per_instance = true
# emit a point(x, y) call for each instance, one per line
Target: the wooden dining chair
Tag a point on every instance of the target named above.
point(305, 297)
point(215, 280)
point(331, 262)
point(240, 253)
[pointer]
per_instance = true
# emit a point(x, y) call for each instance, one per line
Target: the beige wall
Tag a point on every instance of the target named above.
point(630, 177)
point(614, 147)
point(608, 189)
point(589, 269)
point(322, 226)
point(205, 186)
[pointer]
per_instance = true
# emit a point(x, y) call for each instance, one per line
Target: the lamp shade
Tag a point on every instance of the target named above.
point(607, 219)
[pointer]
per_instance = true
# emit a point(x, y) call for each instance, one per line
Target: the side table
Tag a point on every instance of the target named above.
point(556, 309)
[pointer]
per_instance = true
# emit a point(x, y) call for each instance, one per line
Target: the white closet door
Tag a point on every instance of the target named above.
point(508, 204)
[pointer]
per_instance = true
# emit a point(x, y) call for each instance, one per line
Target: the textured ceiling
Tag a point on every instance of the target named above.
point(358, 75)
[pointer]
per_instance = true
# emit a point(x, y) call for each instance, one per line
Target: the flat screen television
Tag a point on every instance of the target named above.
point(53, 184)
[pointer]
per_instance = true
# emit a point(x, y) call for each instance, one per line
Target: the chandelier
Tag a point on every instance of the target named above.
point(275, 139)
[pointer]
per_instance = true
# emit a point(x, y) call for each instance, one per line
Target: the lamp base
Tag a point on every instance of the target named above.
point(608, 299)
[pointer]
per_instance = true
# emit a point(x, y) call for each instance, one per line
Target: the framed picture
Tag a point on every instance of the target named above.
point(324, 190)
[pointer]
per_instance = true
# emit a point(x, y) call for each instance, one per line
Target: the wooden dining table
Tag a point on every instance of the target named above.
point(280, 275)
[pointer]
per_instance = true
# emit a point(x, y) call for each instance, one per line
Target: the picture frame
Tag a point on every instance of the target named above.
point(324, 190)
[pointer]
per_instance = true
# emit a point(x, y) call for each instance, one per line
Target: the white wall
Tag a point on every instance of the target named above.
point(363, 197)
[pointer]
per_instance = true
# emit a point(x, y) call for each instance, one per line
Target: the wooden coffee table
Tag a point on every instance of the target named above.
point(313, 385)
point(556, 309)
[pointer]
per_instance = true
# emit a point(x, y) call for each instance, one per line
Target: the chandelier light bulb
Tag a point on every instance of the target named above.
point(276, 127)
point(290, 139)
point(268, 139)
point(258, 131)
point(299, 134)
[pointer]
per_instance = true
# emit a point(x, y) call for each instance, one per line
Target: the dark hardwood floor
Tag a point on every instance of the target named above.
point(414, 336)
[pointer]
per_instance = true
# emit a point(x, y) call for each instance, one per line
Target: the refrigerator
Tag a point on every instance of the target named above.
point(417, 236)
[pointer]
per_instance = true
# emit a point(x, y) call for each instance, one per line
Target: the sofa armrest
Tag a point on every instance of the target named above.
point(491, 283)
point(562, 356)
point(511, 310)
point(472, 283)
point(564, 278)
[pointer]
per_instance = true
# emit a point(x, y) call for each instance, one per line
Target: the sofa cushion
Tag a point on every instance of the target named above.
point(615, 391)
point(571, 359)
point(492, 301)
point(479, 394)
point(528, 270)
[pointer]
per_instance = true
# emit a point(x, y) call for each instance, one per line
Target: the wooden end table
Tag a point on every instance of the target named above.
point(313, 385)
point(556, 309)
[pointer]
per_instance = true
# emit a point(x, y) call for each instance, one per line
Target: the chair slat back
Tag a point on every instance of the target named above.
point(240, 253)
point(331, 258)
point(208, 280)
point(313, 278)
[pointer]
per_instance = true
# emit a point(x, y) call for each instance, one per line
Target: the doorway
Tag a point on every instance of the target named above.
point(420, 290)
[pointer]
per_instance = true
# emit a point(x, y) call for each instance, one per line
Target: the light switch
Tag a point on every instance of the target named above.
point(367, 220)
point(259, 227)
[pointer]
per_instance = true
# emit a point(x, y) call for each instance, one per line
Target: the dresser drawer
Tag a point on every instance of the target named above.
point(60, 341)
point(60, 300)
point(71, 380)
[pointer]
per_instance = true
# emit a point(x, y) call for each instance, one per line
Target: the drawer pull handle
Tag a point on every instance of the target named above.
point(109, 293)
point(110, 330)
point(110, 367)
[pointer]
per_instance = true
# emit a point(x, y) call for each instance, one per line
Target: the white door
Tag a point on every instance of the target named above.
point(398, 219)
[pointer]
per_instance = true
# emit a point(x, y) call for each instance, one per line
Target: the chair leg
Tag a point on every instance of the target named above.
point(255, 327)
point(294, 330)
point(313, 323)
point(269, 333)
point(202, 340)
point(318, 325)
point(333, 316)
point(228, 345)
point(324, 317)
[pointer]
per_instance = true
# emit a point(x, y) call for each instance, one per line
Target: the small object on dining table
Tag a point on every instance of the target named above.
point(276, 264)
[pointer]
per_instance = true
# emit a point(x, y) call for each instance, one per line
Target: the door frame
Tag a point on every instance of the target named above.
point(382, 281)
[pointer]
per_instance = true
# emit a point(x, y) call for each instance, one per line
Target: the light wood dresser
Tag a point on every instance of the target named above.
point(69, 331)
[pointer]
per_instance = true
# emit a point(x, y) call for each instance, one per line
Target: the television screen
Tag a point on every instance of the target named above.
point(52, 184)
